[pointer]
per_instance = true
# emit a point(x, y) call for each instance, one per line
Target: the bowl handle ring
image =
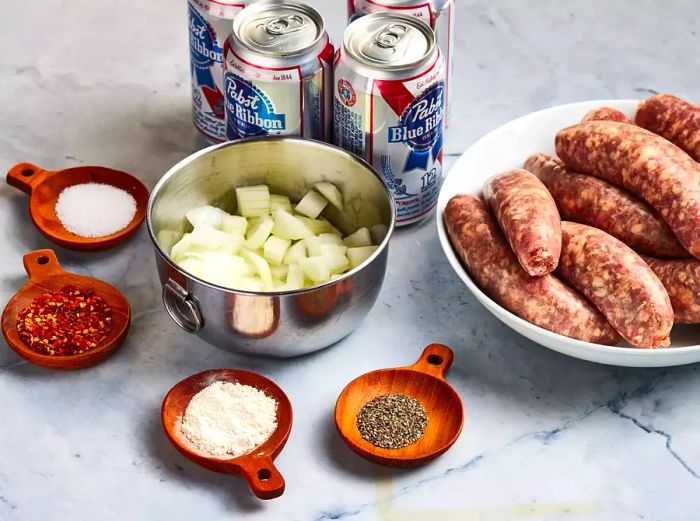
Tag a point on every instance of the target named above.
point(182, 307)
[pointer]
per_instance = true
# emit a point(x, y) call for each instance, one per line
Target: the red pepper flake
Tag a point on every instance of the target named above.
point(66, 322)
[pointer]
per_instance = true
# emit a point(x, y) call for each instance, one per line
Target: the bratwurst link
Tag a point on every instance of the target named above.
point(544, 301)
point(588, 200)
point(606, 114)
point(528, 217)
point(681, 278)
point(618, 282)
point(673, 118)
point(655, 169)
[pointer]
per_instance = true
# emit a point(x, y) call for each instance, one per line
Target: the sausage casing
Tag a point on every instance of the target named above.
point(618, 282)
point(644, 163)
point(681, 278)
point(529, 218)
point(544, 301)
point(606, 114)
point(673, 118)
point(588, 200)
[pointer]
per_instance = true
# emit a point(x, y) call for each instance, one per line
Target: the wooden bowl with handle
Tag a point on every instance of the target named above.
point(46, 274)
point(424, 381)
point(44, 187)
point(257, 466)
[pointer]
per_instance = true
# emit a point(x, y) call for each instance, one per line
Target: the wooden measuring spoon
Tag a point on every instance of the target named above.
point(44, 187)
point(46, 274)
point(257, 466)
point(424, 381)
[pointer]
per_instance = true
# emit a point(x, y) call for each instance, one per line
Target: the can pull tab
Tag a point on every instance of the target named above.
point(390, 35)
point(284, 25)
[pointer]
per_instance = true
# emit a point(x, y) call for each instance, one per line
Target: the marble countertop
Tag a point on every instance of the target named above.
point(546, 437)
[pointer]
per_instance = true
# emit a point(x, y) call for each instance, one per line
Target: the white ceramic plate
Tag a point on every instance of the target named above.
point(506, 148)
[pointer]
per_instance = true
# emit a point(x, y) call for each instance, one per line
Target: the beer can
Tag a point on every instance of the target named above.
point(389, 106)
point(351, 10)
point(209, 26)
point(278, 72)
point(439, 14)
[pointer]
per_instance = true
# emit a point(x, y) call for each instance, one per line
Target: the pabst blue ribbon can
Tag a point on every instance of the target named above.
point(351, 10)
point(389, 106)
point(278, 72)
point(210, 23)
point(439, 14)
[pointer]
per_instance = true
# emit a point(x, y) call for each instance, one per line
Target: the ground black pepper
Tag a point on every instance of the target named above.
point(392, 421)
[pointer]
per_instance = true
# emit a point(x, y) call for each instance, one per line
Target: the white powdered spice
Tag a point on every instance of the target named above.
point(95, 209)
point(229, 419)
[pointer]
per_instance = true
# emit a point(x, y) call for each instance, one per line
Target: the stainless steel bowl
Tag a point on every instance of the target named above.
point(278, 324)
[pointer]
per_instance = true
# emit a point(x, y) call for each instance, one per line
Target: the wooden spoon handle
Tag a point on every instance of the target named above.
point(262, 476)
point(26, 176)
point(41, 264)
point(435, 360)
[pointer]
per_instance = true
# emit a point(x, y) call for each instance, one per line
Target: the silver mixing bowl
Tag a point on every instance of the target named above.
point(280, 324)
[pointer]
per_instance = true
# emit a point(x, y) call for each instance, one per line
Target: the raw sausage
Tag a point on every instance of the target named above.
point(528, 217)
point(673, 118)
point(646, 164)
point(618, 282)
point(544, 301)
point(588, 200)
point(682, 281)
point(607, 114)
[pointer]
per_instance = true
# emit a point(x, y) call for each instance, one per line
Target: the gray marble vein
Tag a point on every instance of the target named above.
point(546, 437)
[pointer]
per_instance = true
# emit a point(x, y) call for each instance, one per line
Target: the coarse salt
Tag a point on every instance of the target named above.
point(95, 209)
point(229, 419)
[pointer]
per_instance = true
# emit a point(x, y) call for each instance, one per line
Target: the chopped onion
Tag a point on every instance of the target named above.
point(290, 227)
point(253, 201)
point(295, 253)
point(360, 254)
point(270, 246)
point(234, 223)
point(279, 271)
point(316, 269)
point(275, 249)
point(361, 237)
point(330, 238)
point(261, 267)
point(281, 202)
point(313, 246)
point(206, 215)
point(331, 193)
point(295, 278)
point(311, 205)
point(259, 232)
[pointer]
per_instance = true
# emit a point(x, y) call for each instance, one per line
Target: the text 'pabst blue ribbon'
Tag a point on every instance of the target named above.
point(420, 122)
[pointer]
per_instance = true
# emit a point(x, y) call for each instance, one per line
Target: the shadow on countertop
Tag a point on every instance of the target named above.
point(175, 467)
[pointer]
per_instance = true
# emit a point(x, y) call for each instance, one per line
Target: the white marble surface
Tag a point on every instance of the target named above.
point(546, 437)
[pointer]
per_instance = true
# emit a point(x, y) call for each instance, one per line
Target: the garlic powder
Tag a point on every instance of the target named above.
point(229, 419)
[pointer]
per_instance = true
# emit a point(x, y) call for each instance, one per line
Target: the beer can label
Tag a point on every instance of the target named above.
point(207, 35)
point(422, 12)
point(441, 21)
point(397, 125)
point(264, 101)
point(352, 13)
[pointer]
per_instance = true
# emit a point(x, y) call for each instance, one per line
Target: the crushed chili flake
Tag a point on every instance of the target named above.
point(66, 322)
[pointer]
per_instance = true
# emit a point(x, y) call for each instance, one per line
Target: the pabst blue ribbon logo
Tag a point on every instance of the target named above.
point(249, 111)
point(204, 49)
point(347, 92)
point(420, 127)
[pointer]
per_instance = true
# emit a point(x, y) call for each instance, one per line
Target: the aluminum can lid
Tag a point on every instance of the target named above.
point(277, 28)
point(389, 41)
